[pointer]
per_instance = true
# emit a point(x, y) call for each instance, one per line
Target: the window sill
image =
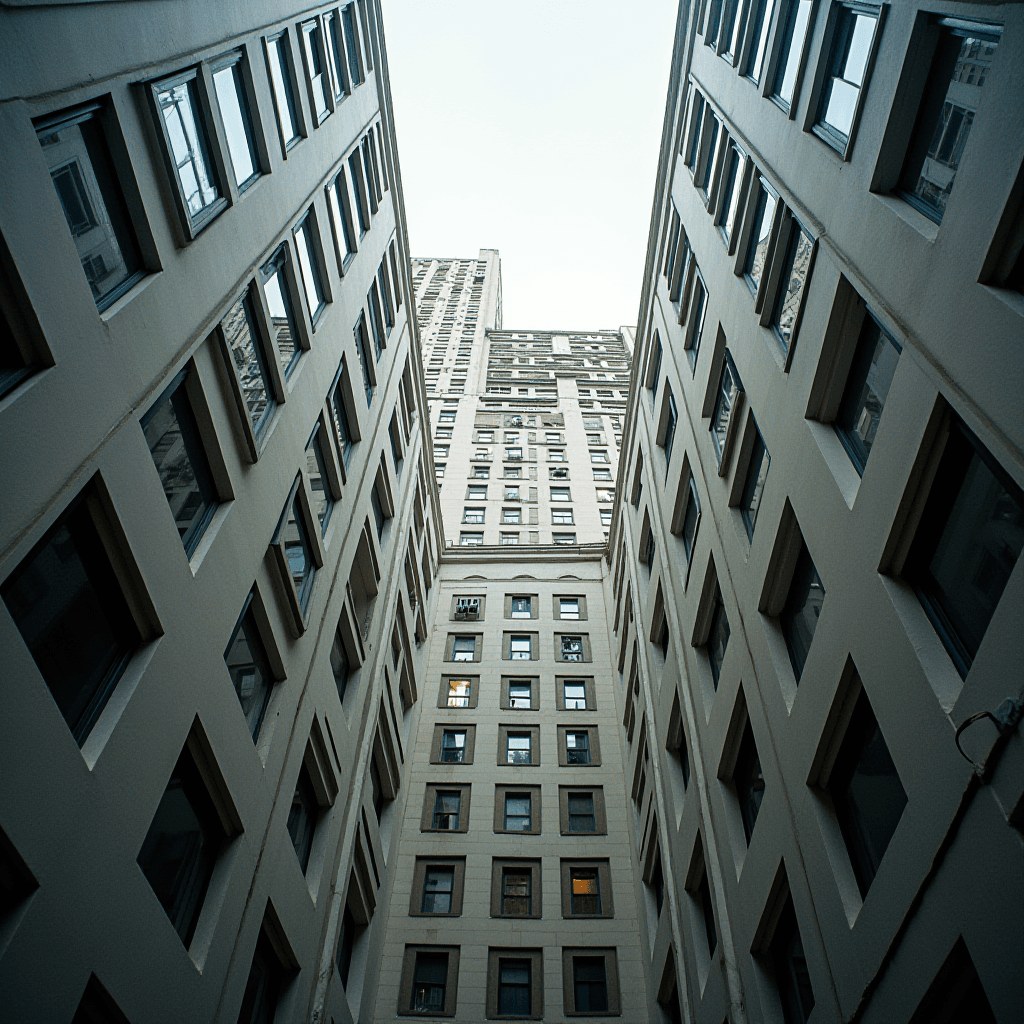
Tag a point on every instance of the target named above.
point(132, 293)
point(840, 148)
point(924, 226)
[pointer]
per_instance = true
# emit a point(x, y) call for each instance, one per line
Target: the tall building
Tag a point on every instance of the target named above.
point(219, 524)
point(526, 424)
point(817, 579)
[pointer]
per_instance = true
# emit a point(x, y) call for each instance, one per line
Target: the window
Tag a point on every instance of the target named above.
point(518, 748)
point(568, 607)
point(341, 215)
point(341, 667)
point(572, 648)
point(563, 538)
point(692, 152)
point(690, 519)
point(471, 540)
point(309, 266)
point(186, 142)
point(249, 668)
point(279, 62)
point(518, 815)
point(589, 984)
point(581, 811)
point(575, 695)
point(482, 472)
point(729, 388)
point(356, 177)
point(441, 451)
point(376, 321)
point(181, 463)
point(956, 993)
point(790, 49)
point(606, 517)
point(718, 637)
point(477, 492)
point(278, 295)
point(352, 45)
point(377, 508)
point(302, 818)
point(762, 12)
point(789, 968)
point(793, 284)
point(473, 515)
point(443, 433)
point(318, 76)
point(511, 515)
point(511, 493)
point(669, 434)
point(960, 65)
point(854, 34)
point(514, 990)
point(430, 977)
point(586, 889)
point(485, 437)
point(753, 484)
point(707, 909)
point(75, 148)
point(560, 494)
point(867, 387)
point(577, 748)
point(249, 363)
point(709, 156)
point(760, 235)
point(866, 792)
point(513, 453)
point(296, 552)
point(447, 808)
point(438, 883)
point(232, 99)
point(695, 319)
point(556, 455)
point(731, 194)
point(181, 847)
point(749, 781)
point(516, 892)
point(316, 476)
point(509, 538)
point(598, 456)
point(457, 693)
point(69, 607)
point(335, 54)
point(799, 617)
point(520, 694)
point(967, 545)
point(264, 984)
point(520, 647)
point(602, 474)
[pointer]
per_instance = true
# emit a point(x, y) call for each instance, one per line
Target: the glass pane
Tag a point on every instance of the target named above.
point(97, 217)
point(690, 518)
point(309, 267)
point(173, 440)
point(458, 692)
point(298, 552)
point(575, 697)
point(765, 13)
point(446, 810)
point(187, 141)
point(577, 748)
point(275, 288)
point(235, 117)
point(749, 781)
point(437, 891)
point(250, 675)
point(178, 854)
point(282, 92)
point(728, 390)
point(867, 387)
point(322, 499)
point(247, 356)
point(799, 617)
point(760, 236)
point(788, 303)
point(731, 197)
point(302, 817)
point(517, 812)
point(338, 211)
point(753, 487)
point(792, 977)
point(518, 749)
point(314, 63)
point(718, 639)
point(792, 49)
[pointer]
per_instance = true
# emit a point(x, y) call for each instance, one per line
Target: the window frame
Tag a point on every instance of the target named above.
point(503, 790)
point(526, 865)
point(517, 731)
point(437, 746)
point(611, 973)
point(238, 62)
point(593, 745)
point(596, 793)
point(309, 229)
point(417, 891)
point(430, 794)
point(535, 958)
point(444, 691)
point(300, 600)
point(407, 982)
point(281, 41)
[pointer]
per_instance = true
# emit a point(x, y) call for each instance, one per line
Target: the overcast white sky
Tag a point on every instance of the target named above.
point(533, 127)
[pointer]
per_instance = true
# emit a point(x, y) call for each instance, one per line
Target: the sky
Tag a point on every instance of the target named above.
point(533, 127)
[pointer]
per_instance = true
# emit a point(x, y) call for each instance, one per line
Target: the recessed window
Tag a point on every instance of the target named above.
point(760, 235)
point(520, 694)
point(789, 968)
point(729, 388)
point(341, 667)
point(278, 295)
point(961, 62)
point(589, 984)
point(560, 494)
point(516, 892)
point(429, 983)
point(520, 647)
point(691, 518)
point(598, 456)
point(181, 847)
point(249, 668)
point(233, 101)
point(581, 816)
point(568, 607)
point(669, 433)
point(761, 14)
point(316, 475)
point(302, 818)
point(692, 152)
point(75, 148)
point(695, 318)
point(264, 984)
point(249, 359)
point(471, 540)
point(340, 203)
point(792, 284)
point(459, 690)
point(790, 49)
point(732, 190)
point(509, 538)
point(867, 793)
point(317, 75)
point(575, 695)
point(352, 45)
point(563, 538)
point(69, 607)
point(453, 746)
point(867, 388)
point(709, 155)
point(280, 64)
point(180, 458)
point(438, 887)
point(447, 808)
point(481, 472)
point(519, 748)
point(309, 266)
point(186, 140)
point(335, 43)
point(296, 550)
point(707, 910)
point(718, 637)
point(844, 77)
point(602, 474)
point(753, 484)
point(969, 540)
point(511, 515)
point(514, 995)
point(517, 815)
point(799, 616)
point(749, 781)
point(577, 747)
point(572, 648)
point(473, 515)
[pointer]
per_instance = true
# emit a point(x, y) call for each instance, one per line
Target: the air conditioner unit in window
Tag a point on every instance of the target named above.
point(467, 608)
point(559, 473)
point(515, 421)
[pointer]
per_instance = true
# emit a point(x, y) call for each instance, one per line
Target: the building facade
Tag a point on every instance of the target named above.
point(219, 525)
point(816, 573)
